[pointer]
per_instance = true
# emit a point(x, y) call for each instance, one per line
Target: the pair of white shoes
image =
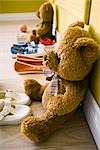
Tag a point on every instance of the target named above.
point(13, 107)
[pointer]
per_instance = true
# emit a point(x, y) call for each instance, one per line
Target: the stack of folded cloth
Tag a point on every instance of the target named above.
point(30, 48)
point(28, 64)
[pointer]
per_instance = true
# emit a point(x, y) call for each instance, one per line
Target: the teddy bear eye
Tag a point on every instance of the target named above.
point(60, 57)
point(45, 57)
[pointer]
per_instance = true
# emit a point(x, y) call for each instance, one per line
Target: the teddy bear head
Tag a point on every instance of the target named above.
point(74, 54)
point(45, 12)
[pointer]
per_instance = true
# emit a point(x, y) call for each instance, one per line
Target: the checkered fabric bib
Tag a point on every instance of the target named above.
point(54, 85)
point(54, 82)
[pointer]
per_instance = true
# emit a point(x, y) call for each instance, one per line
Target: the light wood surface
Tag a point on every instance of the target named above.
point(74, 135)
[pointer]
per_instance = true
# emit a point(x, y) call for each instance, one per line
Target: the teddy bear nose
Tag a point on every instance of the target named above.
point(45, 57)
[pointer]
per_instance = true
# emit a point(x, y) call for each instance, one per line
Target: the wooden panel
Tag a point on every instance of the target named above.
point(70, 11)
point(94, 29)
point(94, 24)
point(95, 81)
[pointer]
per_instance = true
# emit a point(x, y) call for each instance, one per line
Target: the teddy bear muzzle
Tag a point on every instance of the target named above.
point(48, 59)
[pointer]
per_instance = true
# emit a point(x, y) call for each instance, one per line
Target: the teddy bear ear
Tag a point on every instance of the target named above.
point(89, 48)
point(78, 23)
point(48, 7)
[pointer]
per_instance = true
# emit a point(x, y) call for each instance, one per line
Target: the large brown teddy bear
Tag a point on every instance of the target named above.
point(71, 61)
point(45, 14)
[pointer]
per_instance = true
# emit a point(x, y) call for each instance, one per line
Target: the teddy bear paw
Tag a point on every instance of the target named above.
point(34, 128)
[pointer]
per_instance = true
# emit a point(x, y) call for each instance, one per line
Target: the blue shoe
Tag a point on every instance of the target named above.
point(17, 48)
point(37, 50)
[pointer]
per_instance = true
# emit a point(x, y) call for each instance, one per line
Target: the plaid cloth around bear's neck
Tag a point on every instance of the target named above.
point(54, 85)
point(54, 82)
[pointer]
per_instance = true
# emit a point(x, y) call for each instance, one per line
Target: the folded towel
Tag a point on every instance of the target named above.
point(27, 64)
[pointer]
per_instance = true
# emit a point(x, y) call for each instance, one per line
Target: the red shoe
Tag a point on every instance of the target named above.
point(47, 41)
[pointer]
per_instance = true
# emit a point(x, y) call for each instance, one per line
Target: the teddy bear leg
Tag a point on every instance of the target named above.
point(34, 89)
point(34, 38)
point(40, 128)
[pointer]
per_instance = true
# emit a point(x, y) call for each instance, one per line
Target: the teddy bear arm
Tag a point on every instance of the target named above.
point(52, 60)
point(43, 30)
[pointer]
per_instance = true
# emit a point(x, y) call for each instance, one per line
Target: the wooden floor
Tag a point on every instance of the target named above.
point(74, 135)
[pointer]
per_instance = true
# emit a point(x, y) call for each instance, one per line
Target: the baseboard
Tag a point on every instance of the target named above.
point(92, 114)
point(17, 16)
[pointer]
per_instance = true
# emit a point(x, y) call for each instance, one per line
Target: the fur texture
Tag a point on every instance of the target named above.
point(71, 60)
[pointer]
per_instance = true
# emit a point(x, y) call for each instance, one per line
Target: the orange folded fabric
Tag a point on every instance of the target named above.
point(27, 64)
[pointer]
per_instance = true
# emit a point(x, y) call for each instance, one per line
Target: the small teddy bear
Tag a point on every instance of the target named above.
point(71, 61)
point(45, 14)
